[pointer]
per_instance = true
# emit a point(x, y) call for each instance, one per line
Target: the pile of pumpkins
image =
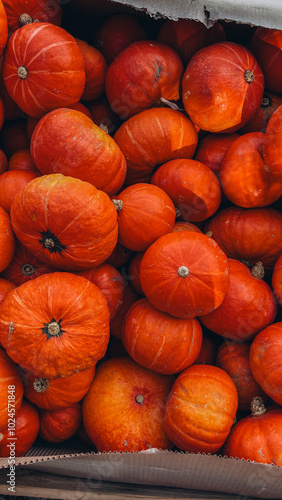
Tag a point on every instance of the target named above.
point(140, 235)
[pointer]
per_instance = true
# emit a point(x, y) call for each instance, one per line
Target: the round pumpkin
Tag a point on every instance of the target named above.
point(130, 296)
point(11, 389)
point(222, 87)
point(3, 28)
point(200, 409)
point(5, 287)
point(22, 160)
point(103, 115)
point(124, 407)
point(55, 325)
point(21, 12)
point(65, 222)
point(277, 280)
point(7, 240)
point(212, 148)
point(26, 431)
point(272, 148)
point(159, 341)
point(84, 151)
point(208, 351)
point(185, 274)
point(266, 45)
point(95, 69)
point(58, 425)
point(270, 102)
point(43, 68)
point(11, 183)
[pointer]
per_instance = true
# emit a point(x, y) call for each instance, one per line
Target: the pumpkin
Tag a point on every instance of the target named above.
point(13, 136)
point(208, 351)
point(21, 12)
point(266, 360)
point(277, 280)
point(24, 266)
point(257, 437)
point(266, 45)
point(62, 392)
point(141, 75)
point(11, 183)
point(248, 234)
point(222, 87)
point(119, 256)
point(3, 162)
point(110, 282)
point(43, 68)
point(134, 272)
point(158, 341)
point(244, 177)
point(185, 226)
point(129, 298)
point(84, 151)
point(7, 240)
point(3, 28)
point(212, 148)
point(193, 188)
point(65, 222)
point(55, 325)
point(200, 409)
point(11, 109)
point(22, 160)
point(95, 69)
point(151, 138)
point(116, 33)
point(233, 357)
point(58, 425)
point(185, 274)
point(5, 287)
point(11, 389)
point(248, 306)
point(272, 145)
point(270, 102)
point(145, 212)
point(103, 115)
point(124, 407)
point(26, 431)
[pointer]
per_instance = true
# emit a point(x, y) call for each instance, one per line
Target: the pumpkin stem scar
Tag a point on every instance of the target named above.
point(52, 329)
point(51, 242)
point(139, 399)
point(257, 406)
point(22, 72)
point(118, 204)
point(41, 384)
point(28, 269)
point(183, 271)
point(249, 76)
point(25, 19)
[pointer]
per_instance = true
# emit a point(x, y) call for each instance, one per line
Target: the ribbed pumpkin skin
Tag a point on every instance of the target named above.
point(140, 75)
point(58, 425)
point(3, 28)
point(7, 240)
point(65, 222)
point(61, 392)
point(26, 431)
point(55, 325)
point(43, 10)
point(55, 66)
point(9, 376)
point(250, 234)
point(196, 294)
point(266, 360)
point(84, 151)
point(159, 341)
point(200, 409)
point(153, 137)
point(257, 438)
point(272, 149)
point(248, 306)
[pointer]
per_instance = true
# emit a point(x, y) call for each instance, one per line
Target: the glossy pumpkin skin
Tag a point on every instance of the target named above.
point(45, 11)
point(201, 408)
point(110, 282)
point(249, 234)
point(112, 415)
point(152, 138)
point(145, 212)
point(9, 378)
point(26, 431)
point(141, 75)
point(277, 280)
point(244, 178)
point(11, 183)
point(95, 68)
point(7, 240)
point(233, 357)
point(159, 341)
point(58, 425)
point(270, 102)
point(65, 222)
point(266, 360)
point(272, 148)
point(129, 298)
point(222, 87)
point(56, 325)
point(52, 70)
point(62, 392)
point(5, 287)
point(248, 306)
point(266, 45)
point(3, 28)
point(193, 188)
point(211, 150)
point(85, 151)
point(185, 274)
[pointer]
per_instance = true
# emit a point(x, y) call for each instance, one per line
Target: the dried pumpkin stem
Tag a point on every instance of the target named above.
point(265, 102)
point(258, 270)
point(139, 399)
point(53, 328)
point(104, 127)
point(257, 406)
point(249, 76)
point(183, 271)
point(25, 19)
point(22, 72)
point(41, 384)
point(118, 204)
point(49, 243)
point(28, 269)
point(209, 234)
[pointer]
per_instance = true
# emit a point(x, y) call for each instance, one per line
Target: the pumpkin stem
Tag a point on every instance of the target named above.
point(28, 269)
point(183, 271)
point(50, 241)
point(249, 76)
point(177, 212)
point(139, 399)
point(22, 73)
point(258, 270)
point(118, 204)
point(104, 127)
point(266, 168)
point(52, 329)
point(265, 103)
point(41, 384)
point(25, 19)
point(257, 406)
point(209, 234)
point(170, 104)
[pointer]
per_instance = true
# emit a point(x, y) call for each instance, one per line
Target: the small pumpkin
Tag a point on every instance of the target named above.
point(277, 280)
point(5, 287)
point(129, 298)
point(11, 183)
point(212, 148)
point(134, 272)
point(11, 385)
point(22, 160)
point(95, 69)
point(272, 145)
point(58, 425)
point(21, 12)
point(270, 102)
point(26, 431)
point(7, 240)
point(266, 45)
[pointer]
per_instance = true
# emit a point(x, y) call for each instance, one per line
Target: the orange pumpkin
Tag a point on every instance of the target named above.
point(5, 287)
point(21, 12)
point(26, 431)
point(272, 148)
point(58, 425)
point(95, 69)
point(212, 148)
point(22, 160)
point(11, 389)
point(277, 280)
point(11, 183)
point(130, 296)
point(3, 28)
point(7, 240)
point(134, 272)
point(185, 226)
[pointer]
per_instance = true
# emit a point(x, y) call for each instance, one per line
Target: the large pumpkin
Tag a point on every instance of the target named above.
point(58, 425)
point(84, 151)
point(7, 240)
point(11, 388)
point(185, 274)
point(21, 12)
point(55, 325)
point(65, 222)
point(43, 68)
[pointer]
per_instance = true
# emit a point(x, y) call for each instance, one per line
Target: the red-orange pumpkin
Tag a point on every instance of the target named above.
point(55, 325)
point(211, 150)
point(11, 183)
point(43, 68)
point(22, 160)
point(103, 115)
point(124, 407)
point(65, 222)
point(130, 296)
point(277, 280)
point(3, 162)
point(201, 408)
point(10, 385)
point(134, 272)
point(159, 341)
point(5, 287)
point(270, 102)
point(208, 352)
point(3, 28)
point(26, 431)
point(185, 274)
point(95, 69)
point(272, 148)
point(185, 226)
point(58, 425)
point(21, 12)
point(266, 45)
point(7, 240)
